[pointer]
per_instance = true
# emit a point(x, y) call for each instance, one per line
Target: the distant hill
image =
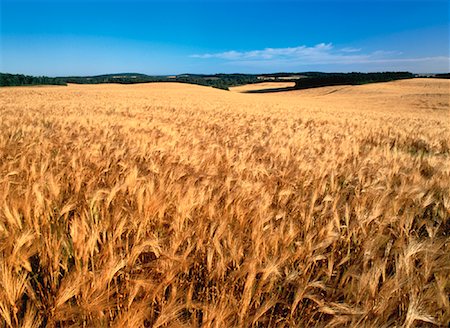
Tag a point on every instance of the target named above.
point(222, 81)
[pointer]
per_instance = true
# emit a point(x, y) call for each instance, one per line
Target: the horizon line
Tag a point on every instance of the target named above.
point(222, 73)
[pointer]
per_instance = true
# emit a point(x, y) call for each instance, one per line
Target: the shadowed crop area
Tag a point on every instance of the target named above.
point(173, 205)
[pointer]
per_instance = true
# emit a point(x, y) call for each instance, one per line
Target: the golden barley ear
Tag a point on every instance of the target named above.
point(167, 205)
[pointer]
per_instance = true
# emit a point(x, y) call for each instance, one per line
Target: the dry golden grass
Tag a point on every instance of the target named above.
point(179, 205)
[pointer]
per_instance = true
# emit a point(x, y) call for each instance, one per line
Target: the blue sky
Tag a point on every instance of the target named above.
point(84, 37)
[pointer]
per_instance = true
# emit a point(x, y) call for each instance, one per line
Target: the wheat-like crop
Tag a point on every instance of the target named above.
point(177, 205)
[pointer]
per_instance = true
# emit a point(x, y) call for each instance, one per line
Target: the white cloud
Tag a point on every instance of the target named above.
point(320, 54)
point(350, 49)
point(271, 53)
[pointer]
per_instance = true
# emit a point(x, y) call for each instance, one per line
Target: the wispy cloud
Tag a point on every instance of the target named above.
point(320, 54)
point(350, 49)
point(272, 53)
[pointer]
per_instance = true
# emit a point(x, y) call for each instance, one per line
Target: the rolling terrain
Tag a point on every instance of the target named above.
point(179, 205)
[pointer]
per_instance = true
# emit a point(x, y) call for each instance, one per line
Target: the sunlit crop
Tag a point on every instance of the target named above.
point(177, 205)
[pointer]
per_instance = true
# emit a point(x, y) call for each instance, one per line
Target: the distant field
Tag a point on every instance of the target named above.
point(179, 205)
point(262, 86)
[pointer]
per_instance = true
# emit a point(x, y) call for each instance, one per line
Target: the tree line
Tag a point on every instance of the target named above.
point(20, 79)
point(318, 79)
point(220, 81)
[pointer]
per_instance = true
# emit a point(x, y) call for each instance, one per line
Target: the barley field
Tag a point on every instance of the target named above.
point(174, 205)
